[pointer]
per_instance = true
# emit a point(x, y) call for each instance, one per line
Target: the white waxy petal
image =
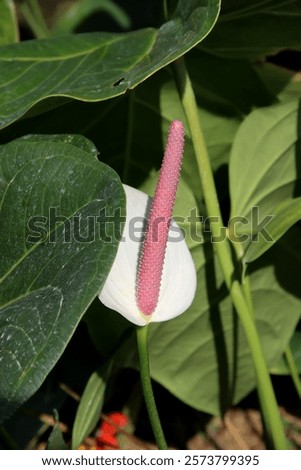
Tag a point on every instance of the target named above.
point(178, 283)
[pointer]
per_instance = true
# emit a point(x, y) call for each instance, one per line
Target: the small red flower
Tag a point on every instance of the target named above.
point(106, 438)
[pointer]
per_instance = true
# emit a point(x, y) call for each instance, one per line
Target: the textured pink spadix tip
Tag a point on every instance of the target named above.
point(154, 246)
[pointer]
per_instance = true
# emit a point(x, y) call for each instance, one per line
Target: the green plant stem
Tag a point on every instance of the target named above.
point(32, 13)
point(142, 342)
point(267, 398)
point(291, 363)
point(165, 10)
point(244, 274)
point(247, 291)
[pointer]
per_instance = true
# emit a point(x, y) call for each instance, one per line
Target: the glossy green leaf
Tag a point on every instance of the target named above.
point(285, 216)
point(264, 171)
point(56, 251)
point(97, 66)
point(263, 27)
point(138, 122)
point(9, 31)
point(90, 406)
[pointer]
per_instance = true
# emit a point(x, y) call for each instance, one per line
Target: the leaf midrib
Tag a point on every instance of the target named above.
point(89, 50)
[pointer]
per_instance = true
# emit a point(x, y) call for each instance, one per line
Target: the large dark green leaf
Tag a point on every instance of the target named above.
point(130, 126)
point(253, 29)
point(56, 251)
point(97, 66)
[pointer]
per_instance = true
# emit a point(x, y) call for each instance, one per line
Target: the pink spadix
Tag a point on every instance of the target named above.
point(154, 246)
point(164, 286)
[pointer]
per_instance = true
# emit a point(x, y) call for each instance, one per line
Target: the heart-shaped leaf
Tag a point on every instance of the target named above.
point(57, 248)
point(97, 66)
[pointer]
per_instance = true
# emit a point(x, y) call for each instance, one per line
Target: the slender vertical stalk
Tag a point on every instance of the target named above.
point(267, 398)
point(32, 13)
point(292, 366)
point(142, 335)
point(244, 274)
point(165, 10)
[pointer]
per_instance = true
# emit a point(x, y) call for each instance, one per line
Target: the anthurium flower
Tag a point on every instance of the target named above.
point(153, 276)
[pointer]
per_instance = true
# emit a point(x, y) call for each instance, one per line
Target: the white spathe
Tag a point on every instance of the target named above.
point(178, 283)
